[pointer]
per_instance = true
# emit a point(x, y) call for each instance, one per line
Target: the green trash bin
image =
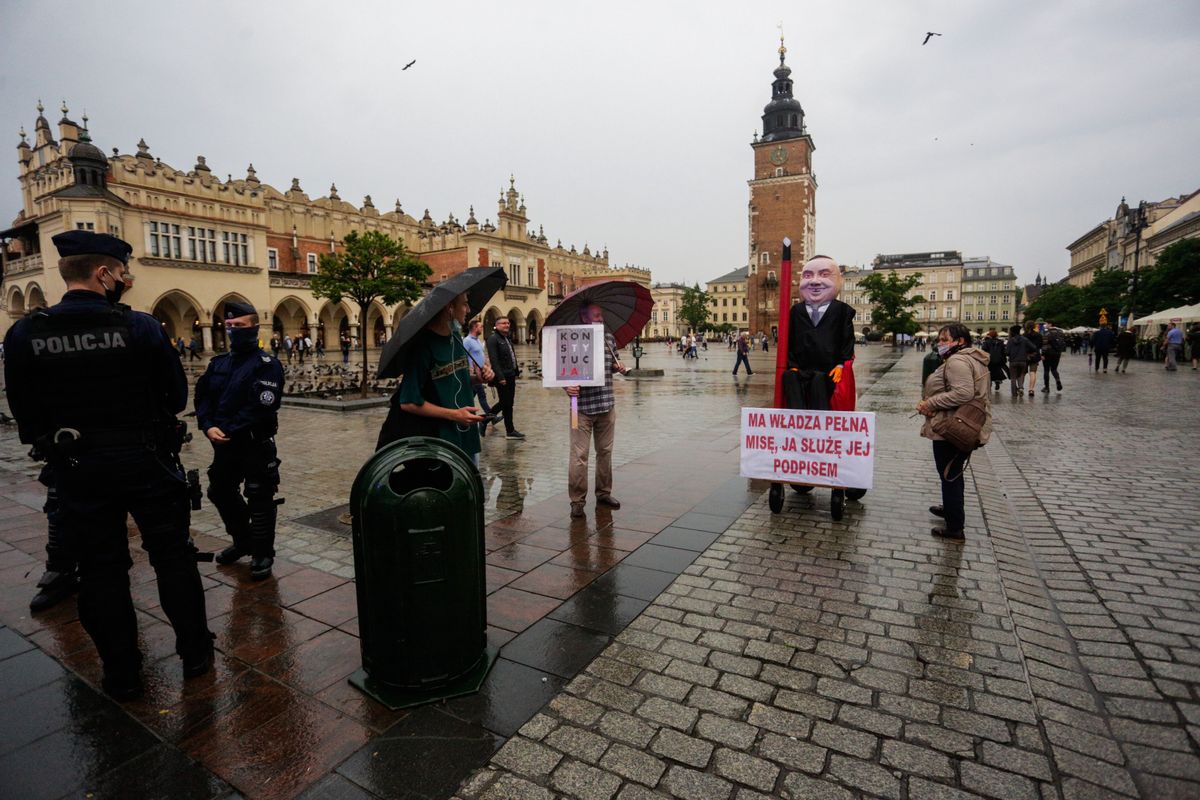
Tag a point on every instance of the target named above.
point(417, 508)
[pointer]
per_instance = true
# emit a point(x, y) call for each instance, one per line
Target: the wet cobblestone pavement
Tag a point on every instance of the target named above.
point(690, 644)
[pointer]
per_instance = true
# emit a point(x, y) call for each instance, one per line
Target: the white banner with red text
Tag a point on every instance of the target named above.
point(823, 448)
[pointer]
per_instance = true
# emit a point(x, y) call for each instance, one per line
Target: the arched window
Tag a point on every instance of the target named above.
point(765, 258)
point(793, 120)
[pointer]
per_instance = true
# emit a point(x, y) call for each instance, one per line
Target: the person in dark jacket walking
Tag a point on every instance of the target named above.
point(1018, 350)
point(1126, 349)
point(743, 355)
point(1054, 344)
point(1102, 342)
point(504, 364)
point(996, 357)
point(1035, 337)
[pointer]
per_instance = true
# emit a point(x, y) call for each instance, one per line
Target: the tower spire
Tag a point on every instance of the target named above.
point(782, 48)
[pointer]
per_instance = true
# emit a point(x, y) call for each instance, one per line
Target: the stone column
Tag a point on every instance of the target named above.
point(206, 337)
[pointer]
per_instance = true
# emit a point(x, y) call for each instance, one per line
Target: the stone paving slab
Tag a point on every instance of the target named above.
point(1051, 655)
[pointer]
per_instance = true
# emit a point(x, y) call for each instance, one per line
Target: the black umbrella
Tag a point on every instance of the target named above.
point(480, 283)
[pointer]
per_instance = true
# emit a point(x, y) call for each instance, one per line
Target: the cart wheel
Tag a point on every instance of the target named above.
point(855, 494)
point(775, 498)
point(837, 504)
point(800, 489)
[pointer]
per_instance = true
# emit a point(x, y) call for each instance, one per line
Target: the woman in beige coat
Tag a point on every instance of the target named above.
point(963, 376)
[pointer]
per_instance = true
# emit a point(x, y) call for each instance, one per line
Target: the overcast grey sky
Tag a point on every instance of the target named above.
point(629, 123)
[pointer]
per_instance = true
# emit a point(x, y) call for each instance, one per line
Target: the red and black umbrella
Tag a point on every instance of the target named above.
point(626, 306)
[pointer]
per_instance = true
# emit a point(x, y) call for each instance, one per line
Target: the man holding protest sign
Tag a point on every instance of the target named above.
point(597, 420)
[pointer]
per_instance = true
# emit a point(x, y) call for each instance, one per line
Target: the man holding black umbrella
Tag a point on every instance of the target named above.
point(597, 420)
point(435, 397)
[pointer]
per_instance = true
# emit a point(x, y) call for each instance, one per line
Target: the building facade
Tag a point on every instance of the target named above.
point(1134, 237)
point(727, 299)
point(782, 199)
point(989, 294)
point(940, 286)
point(199, 241)
point(665, 321)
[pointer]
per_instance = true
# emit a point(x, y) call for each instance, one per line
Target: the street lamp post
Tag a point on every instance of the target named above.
point(1139, 224)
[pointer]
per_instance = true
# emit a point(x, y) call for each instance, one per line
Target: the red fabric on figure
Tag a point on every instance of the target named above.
point(844, 396)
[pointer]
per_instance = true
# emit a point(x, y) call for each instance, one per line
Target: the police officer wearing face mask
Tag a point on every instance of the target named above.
point(237, 405)
point(95, 387)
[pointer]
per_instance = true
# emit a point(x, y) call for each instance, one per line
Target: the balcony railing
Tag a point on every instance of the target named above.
point(18, 266)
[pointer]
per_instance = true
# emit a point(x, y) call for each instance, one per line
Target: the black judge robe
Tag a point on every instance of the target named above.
point(814, 350)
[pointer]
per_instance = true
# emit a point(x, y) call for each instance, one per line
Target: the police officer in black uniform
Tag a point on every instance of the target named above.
point(95, 386)
point(237, 408)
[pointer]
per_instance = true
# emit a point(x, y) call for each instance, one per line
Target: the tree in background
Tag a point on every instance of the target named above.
point(1173, 281)
point(1061, 303)
point(693, 309)
point(372, 266)
point(892, 308)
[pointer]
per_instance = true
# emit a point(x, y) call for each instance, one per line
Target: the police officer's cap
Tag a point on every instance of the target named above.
point(235, 309)
point(89, 243)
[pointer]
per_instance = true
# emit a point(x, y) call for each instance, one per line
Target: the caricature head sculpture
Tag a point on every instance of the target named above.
point(820, 280)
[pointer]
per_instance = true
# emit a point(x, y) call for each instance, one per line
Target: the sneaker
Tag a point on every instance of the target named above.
point(514, 435)
point(577, 511)
point(608, 500)
point(229, 555)
point(1045, 390)
point(53, 588)
point(943, 533)
point(937, 511)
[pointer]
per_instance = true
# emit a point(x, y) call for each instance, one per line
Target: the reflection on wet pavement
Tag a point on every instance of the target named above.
point(276, 717)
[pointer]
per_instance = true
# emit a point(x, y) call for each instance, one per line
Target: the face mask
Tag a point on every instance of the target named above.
point(113, 295)
point(242, 339)
point(945, 349)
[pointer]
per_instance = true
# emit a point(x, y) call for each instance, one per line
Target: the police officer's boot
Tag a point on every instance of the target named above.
point(229, 555)
point(262, 536)
point(53, 588)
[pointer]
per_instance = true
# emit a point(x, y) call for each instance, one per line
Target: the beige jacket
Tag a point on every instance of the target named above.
point(959, 379)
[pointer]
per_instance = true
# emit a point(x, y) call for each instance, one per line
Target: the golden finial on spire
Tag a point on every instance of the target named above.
point(782, 49)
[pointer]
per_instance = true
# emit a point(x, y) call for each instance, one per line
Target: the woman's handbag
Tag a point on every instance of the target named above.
point(963, 425)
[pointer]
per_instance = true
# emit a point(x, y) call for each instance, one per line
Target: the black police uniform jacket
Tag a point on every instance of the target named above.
point(813, 350)
point(240, 393)
point(92, 366)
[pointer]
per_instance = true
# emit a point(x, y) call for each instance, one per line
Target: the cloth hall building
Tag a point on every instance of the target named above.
point(199, 241)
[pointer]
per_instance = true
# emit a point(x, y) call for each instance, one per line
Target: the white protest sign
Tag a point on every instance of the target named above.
point(825, 448)
point(573, 355)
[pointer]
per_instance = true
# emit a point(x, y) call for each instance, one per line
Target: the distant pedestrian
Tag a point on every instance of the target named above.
point(194, 349)
point(1126, 349)
point(1102, 342)
point(1018, 350)
point(181, 346)
point(1085, 342)
point(1173, 339)
point(287, 347)
point(743, 355)
point(344, 343)
point(1035, 336)
point(319, 348)
point(503, 360)
point(479, 363)
point(1054, 344)
point(996, 357)
point(275, 345)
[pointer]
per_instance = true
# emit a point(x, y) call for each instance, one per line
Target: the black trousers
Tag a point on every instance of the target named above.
point(252, 466)
point(1101, 354)
point(1050, 364)
point(950, 460)
point(742, 359)
point(508, 394)
point(96, 495)
point(59, 555)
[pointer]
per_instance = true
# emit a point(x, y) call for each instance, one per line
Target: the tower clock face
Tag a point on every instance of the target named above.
point(779, 156)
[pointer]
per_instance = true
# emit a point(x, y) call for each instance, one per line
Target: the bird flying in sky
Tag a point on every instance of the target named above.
point(409, 64)
point(929, 35)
